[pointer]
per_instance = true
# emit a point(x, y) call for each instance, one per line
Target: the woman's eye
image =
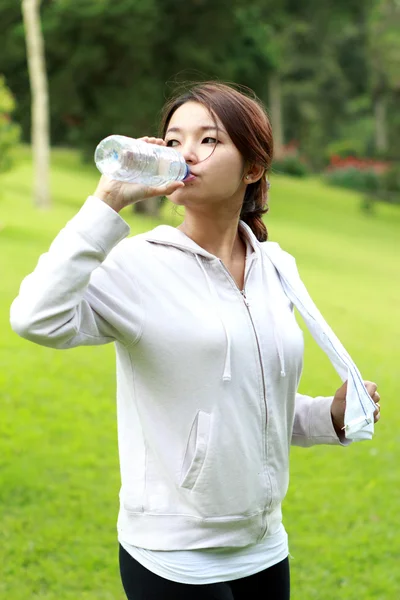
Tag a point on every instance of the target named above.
point(207, 140)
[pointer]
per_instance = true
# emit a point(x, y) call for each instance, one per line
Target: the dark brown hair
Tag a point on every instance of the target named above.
point(249, 128)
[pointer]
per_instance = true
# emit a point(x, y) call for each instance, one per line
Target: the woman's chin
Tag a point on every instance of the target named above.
point(180, 196)
point(176, 199)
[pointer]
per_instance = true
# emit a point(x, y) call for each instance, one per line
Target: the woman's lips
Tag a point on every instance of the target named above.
point(190, 177)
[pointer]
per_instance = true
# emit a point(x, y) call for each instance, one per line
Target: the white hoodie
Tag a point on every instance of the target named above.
point(207, 375)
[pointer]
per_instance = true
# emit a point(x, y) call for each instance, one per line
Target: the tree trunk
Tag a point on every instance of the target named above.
point(40, 104)
point(381, 134)
point(275, 109)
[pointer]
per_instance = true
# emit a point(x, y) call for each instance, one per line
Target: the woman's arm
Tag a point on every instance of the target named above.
point(72, 298)
point(313, 422)
point(320, 420)
point(78, 295)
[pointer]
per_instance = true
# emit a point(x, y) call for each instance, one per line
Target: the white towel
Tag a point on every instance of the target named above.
point(360, 408)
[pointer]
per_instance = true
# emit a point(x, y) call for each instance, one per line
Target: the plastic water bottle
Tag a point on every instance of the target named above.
point(135, 161)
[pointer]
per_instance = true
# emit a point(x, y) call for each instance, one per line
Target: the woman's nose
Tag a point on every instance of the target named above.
point(189, 154)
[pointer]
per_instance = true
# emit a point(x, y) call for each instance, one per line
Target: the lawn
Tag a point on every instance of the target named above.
point(59, 476)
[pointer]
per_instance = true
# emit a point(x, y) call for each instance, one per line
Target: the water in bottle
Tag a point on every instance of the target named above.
point(136, 161)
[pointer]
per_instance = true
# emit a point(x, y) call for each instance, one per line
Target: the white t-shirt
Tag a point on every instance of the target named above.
point(213, 565)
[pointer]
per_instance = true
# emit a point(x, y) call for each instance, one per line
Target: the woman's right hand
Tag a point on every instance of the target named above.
point(119, 194)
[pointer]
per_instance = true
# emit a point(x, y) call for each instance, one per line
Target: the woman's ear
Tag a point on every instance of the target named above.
point(253, 173)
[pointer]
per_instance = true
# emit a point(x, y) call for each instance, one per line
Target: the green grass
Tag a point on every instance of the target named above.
point(59, 476)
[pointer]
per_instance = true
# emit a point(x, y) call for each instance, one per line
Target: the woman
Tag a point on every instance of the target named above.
point(209, 358)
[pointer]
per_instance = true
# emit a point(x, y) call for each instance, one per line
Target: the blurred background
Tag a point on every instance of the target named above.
point(328, 72)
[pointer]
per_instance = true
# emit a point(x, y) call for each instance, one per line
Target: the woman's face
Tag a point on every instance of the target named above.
point(216, 163)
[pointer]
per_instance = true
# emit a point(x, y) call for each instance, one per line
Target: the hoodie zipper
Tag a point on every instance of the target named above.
point(247, 305)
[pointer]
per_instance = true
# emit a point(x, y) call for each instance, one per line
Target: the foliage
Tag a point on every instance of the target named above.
point(363, 164)
point(111, 63)
point(353, 178)
point(384, 45)
point(59, 474)
point(391, 179)
point(290, 162)
point(379, 178)
point(9, 131)
point(344, 148)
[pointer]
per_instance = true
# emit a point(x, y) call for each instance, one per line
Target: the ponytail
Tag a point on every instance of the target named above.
point(254, 207)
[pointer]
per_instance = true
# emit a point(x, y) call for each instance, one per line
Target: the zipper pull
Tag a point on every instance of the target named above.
point(245, 298)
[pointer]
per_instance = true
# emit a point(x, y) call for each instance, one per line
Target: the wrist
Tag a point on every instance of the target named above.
point(338, 427)
point(110, 201)
point(109, 197)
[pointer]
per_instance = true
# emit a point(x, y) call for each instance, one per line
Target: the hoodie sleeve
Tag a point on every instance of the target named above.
point(78, 293)
point(313, 422)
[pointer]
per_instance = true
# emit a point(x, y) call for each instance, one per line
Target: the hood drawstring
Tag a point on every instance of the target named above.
point(227, 366)
point(279, 344)
point(277, 336)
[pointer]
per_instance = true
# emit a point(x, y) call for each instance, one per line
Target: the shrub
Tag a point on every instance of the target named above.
point(362, 174)
point(391, 179)
point(353, 178)
point(344, 148)
point(9, 131)
point(362, 164)
point(291, 162)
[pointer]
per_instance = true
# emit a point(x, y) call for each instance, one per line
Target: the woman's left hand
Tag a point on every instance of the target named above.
point(338, 405)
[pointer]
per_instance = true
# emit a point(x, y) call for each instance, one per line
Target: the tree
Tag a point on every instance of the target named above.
point(260, 47)
point(40, 104)
point(384, 50)
point(111, 63)
point(9, 131)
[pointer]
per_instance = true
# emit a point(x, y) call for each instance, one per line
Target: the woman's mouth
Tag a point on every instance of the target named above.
point(190, 177)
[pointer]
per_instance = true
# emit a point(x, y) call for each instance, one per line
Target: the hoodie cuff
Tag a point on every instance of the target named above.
point(99, 223)
point(321, 425)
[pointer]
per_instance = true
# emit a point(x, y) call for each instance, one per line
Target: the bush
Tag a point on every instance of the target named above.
point(290, 165)
point(362, 174)
point(344, 149)
point(362, 180)
point(291, 162)
point(391, 179)
point(9, 131)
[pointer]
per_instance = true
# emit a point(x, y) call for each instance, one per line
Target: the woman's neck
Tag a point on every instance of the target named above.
point(219, 237)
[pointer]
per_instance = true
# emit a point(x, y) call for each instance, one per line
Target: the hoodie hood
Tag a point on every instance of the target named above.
point(171, 236)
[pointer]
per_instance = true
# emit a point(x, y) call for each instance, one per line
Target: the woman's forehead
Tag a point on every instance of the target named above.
point(193, 114)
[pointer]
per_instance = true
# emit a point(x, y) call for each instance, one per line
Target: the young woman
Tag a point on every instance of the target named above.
point(209, 358)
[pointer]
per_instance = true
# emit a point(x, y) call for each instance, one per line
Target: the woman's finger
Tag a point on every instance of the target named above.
point(172, 186)
point(164, 190)
point(153, 140)
point(371, 387)
point(377, 413)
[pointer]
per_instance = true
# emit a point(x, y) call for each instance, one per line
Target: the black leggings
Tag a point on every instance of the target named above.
point(141, 584)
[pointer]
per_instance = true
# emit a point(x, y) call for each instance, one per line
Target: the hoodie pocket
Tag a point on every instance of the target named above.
point(196, 450)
